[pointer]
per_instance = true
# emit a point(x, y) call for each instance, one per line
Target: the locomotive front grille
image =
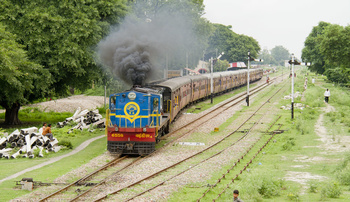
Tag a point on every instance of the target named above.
point(139, 148)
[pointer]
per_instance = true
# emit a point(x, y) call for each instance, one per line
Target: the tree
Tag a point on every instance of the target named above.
point(327, 48)
point(235, 46)
point(21, 80)
point(221, 65)
point(311, 51)
point(61, 35)
point(267, 57)
point(280, 54)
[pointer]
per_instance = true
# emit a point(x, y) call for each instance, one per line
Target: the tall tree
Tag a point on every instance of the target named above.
point(235, 46)
point(334, 47)
point(280, 54)
point(20, 80)
point(311, 51)
point(267, 57)
point(60, 35)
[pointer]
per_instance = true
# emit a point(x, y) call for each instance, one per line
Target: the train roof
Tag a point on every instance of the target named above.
point(175, 83)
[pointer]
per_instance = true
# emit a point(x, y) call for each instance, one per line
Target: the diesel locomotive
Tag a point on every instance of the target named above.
point(137, 118)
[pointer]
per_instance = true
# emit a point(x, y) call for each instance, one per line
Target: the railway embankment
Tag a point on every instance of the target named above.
point(305, 159)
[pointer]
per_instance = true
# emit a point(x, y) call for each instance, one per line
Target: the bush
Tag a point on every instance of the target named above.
point(331, 190)
point(293, 197)
point(343, 171)
point(66, 143)
point(270, 187)
point(288, 144)
point(313, 187)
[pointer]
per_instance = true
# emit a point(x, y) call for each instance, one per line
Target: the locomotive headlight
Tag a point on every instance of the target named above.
point(132, 96)
point(116, 129)
point(144, 130)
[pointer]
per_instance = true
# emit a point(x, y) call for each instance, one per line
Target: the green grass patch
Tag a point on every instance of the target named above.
point(295, 152)
point(48, 173)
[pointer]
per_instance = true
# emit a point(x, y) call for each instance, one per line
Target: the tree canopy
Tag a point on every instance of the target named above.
point(280, 54)
point(21, 80)
point(327, 48)
point(234, 45)
point(60, 37)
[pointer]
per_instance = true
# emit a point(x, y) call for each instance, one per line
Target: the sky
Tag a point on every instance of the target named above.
point(277, 22)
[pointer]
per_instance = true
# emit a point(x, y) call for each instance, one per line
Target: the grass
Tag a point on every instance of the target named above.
point(34, 117)
point(294, 151)
point(48, 173)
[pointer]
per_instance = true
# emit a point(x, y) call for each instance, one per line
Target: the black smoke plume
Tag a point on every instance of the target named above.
point(136, 50)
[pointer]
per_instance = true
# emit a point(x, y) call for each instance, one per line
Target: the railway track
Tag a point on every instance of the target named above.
point(80, 182)
point(228, 104)
point(190, 157)
point(221, 107)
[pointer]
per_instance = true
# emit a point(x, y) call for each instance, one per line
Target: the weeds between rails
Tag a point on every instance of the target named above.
point(161, 171)
point(255, 90)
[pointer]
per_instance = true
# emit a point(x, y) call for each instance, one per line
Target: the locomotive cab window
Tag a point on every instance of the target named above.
point(112, 105)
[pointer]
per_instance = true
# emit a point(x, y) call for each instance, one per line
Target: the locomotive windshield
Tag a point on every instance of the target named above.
point(112, 103)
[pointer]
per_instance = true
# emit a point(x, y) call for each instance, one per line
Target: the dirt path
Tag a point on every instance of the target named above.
point(329, 143)
point(52, 160)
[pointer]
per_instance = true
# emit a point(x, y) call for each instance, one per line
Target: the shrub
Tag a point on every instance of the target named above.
point(313, 187)
point(293, 197)
point(270, 187)
point(288, 144)
point(331, 190)
point(66, 143)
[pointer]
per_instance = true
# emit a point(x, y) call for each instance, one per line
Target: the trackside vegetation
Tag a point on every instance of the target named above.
point(296, 166)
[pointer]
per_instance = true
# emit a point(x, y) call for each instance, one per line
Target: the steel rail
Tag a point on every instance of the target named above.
point(246, 166)
point(243, 94)
point(114, 161)
point(104, 180)
point(193, 166)
point(236, 163)
point(158, 172)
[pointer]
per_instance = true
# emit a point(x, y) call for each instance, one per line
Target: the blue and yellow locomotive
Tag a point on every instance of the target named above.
point(135, 119)
point(138, 118)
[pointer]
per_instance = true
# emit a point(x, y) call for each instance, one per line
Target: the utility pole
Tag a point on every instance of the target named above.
point(211, 80)
point(292, 105)
point(247, 99)
point(186, 63)
point(166, 66)
point(293, 62)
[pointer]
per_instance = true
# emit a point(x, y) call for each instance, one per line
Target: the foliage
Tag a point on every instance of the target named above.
point(267, 57)
point(235, 46)
point(66, 143)
point(331, 190)
point(313, 187)
point(60, 35)
point(270, 187)
point(326, 48)
point(311, 52)
point(21, 80)
point(221, 65)
point(343, 171)
point(289, 143)
point(280, 54)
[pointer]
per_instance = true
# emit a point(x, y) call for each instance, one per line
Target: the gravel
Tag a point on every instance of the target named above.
point(173, 153)
point(70, 104)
